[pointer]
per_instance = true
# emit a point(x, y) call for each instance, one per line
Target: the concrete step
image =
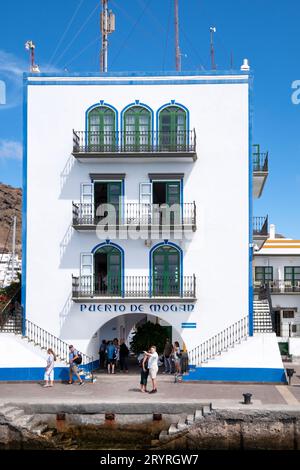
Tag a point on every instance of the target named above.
point(190, 419)
point(182, 424)
point(198, 415)
point(172, 429)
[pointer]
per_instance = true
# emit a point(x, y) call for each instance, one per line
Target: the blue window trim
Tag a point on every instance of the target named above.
point(100, 104)
point(142, 105)
point(24, 207)
point(109, 243)
point(151, 252)
point(179, 105)
point(250, 184)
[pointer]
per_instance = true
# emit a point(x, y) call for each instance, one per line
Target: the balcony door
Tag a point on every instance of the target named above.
point(292, 276)
point(101, 129)
point(108, 192)
point(137, 129)
point(108, 271)
point(166, 271)
point(172, 129)
point(165, 195)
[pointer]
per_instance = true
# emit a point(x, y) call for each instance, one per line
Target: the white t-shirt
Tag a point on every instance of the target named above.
point(50, 362)
point(153, 360)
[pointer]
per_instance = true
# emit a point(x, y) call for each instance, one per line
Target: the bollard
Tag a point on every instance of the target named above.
point(247, 398)
point(290, 373)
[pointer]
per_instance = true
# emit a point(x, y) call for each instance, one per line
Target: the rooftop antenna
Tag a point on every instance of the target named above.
point(177, 48)
point(107, 26)
point(30, 46)
point(212, 30)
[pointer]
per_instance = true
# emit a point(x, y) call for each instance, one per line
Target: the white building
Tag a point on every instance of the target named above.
point(142, 142)
point(277, 266)
point(9, 268)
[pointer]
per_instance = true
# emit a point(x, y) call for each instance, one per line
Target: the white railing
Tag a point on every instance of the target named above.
point(219, 343)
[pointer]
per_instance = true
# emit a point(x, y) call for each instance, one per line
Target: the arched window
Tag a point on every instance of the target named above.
point(108, 270)
point(172, 128)
point(166, 271)
point(137, 129)
point(102, 129)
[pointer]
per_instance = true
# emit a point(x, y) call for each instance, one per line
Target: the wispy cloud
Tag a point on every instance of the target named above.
point(10, 149)
point(11, 72)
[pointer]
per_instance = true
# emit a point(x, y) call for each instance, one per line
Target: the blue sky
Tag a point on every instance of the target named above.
point(265, 31)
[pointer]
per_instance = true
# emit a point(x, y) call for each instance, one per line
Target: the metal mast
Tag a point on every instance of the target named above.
point(212, 49)
point(177, 48)
point(107, 26)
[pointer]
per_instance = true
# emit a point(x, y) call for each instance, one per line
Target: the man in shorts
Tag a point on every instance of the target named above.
point(153, 367)
point(73, 355)
point(111, 352)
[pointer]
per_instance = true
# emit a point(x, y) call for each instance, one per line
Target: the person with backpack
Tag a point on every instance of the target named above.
point(49, 371)
point(75, 359)
point(111, 352)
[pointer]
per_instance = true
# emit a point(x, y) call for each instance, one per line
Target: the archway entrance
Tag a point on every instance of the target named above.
point(123, 328)
point(108, 270)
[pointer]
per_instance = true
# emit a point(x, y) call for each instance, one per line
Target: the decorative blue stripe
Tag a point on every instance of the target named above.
point(37, 373)
point(188, 325)
point(143, 82)
point(24, 209)
point(250, 272)
point(236, 374)
point(141, 73)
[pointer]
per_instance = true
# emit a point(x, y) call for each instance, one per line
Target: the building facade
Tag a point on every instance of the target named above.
point(138, 205)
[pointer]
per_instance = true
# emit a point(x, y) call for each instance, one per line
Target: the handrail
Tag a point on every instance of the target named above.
point(138, 214)
point(220, 342)
point(46, 340)
point(260, 225)
point(132, 141)
point(133, 286)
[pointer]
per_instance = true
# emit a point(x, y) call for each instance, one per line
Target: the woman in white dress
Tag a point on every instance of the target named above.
point(49, 371)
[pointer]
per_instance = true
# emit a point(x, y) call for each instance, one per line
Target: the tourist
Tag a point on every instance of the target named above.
point(167, 357)
point(144, 372)
point(124, 353)
point(111, 354)
point(49, 371)
point(152, 366)
point(117, 348)
point(177, 358)
point(102, 351)
point(74, 358)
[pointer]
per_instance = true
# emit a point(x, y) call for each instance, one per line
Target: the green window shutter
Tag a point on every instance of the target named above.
point(137, 129)
point(172, 128)
point(166, 271)
point(102, 128)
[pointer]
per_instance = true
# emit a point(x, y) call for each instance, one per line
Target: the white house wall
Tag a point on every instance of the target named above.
point(218, 181)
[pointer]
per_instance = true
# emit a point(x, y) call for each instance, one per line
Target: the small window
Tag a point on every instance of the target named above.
point(264, 273)
point(288, 314)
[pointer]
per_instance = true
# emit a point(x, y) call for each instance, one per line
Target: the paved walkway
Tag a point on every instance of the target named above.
point(124, 389)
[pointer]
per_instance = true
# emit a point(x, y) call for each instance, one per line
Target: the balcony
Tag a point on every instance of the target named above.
point(142, 288)
point(91, 146)
point(260, 230)
point(137, 216)
point(260, 170)
point(278, 287)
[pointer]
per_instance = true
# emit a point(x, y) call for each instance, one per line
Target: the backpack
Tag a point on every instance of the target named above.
point(78, 360)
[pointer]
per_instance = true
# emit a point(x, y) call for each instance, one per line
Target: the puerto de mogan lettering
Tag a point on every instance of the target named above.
point(136, 308)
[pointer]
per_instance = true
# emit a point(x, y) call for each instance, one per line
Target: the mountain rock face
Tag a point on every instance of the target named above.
point(10, 205)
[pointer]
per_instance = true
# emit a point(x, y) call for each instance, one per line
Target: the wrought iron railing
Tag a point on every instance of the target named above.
point(260, 226)
point(260, 161)
point(134, 286)
point(134, 142)
point(278, 286)
point(46, 340)
point(11, 316)
point(136, 214)
point(215, 345)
